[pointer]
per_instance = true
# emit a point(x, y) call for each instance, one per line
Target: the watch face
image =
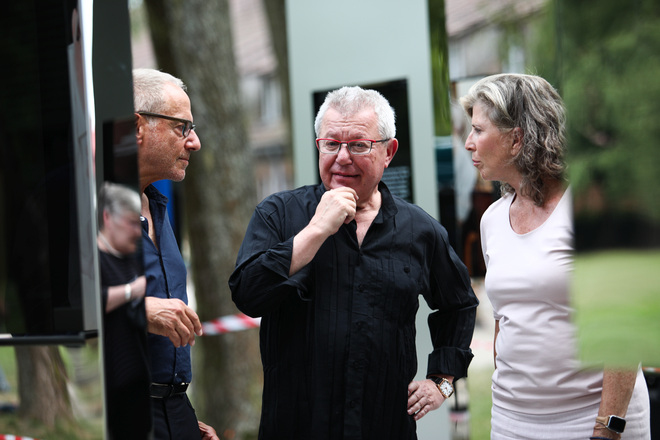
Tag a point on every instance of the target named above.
point(446, 388)
point(616, 424)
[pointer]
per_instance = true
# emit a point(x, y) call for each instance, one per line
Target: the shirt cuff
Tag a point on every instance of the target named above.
point(453, 361)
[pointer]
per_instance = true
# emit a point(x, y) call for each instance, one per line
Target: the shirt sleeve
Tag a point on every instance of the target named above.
point(452, 324)
point(261, 281)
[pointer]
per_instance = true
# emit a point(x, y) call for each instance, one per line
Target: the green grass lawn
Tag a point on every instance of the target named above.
point(86, 394)
point(478, 383)
point(616, 295)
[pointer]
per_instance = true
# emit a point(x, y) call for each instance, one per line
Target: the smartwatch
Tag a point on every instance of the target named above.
point(613, 423)
point(445, 387)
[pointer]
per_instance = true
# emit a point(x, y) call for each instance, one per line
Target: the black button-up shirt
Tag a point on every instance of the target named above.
point(338, 337)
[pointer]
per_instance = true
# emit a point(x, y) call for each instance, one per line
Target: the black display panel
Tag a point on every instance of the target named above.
point(53, 159)
point(46, 257)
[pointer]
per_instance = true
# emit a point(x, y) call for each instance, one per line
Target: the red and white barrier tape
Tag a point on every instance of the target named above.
point(228, 324)
point(14, 437)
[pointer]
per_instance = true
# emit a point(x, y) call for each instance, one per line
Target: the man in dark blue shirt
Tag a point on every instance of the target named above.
point(336, 271)
point(166, 139)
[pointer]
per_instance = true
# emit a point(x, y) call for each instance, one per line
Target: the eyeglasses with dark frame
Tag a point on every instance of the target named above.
point(354, 146)
point(187, 125)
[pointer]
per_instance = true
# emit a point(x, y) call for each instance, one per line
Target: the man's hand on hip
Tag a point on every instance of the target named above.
point(423, 397)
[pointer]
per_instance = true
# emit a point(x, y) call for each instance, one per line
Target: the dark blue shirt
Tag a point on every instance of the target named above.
point(338, 337)
point(166, 278)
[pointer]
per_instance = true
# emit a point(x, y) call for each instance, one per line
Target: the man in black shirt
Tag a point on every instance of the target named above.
point(335, 270)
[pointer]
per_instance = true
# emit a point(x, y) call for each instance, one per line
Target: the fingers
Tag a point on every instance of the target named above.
point(337, 207)
point(193, 325)
point(424, 410)
point(197, 324)
point(423, 397)
point(173, 319)
point(207, 432)
point(417, 403)
point(350, 198)
point(184, 326)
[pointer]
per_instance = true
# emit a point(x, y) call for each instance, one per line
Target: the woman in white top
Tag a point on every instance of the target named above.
point(540, 391)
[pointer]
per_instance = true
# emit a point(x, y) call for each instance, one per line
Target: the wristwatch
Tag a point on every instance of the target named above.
point(613, 423)
point(445, 387)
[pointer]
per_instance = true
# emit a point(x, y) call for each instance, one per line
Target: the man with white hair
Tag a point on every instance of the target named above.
point(335, 271)
point(166, 139)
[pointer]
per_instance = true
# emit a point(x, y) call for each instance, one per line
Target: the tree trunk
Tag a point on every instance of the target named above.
point(219, 197)
point(42, 385)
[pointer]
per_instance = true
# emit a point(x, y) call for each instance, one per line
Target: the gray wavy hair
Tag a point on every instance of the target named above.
point(531, 103)
point(351, 100)
point(148, 87)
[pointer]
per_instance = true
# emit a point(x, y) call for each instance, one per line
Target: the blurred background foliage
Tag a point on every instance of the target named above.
point(604, 58)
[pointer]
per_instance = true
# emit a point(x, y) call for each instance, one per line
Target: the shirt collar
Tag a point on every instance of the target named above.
point(156, 196)
point(388, 206)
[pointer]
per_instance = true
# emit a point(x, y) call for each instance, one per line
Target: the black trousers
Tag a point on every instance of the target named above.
point(174, 418)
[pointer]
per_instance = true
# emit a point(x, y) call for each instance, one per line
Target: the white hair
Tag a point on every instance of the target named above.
point(351, 100)
point(148, 85)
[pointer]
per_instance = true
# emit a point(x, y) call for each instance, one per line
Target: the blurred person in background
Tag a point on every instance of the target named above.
point(123, 285)
point(540, 390)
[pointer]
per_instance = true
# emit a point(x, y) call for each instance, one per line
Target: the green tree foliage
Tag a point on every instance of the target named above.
point(607, 65)
point(439, 67)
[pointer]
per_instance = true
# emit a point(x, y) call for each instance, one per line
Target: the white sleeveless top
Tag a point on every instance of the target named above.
point(527, 282)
